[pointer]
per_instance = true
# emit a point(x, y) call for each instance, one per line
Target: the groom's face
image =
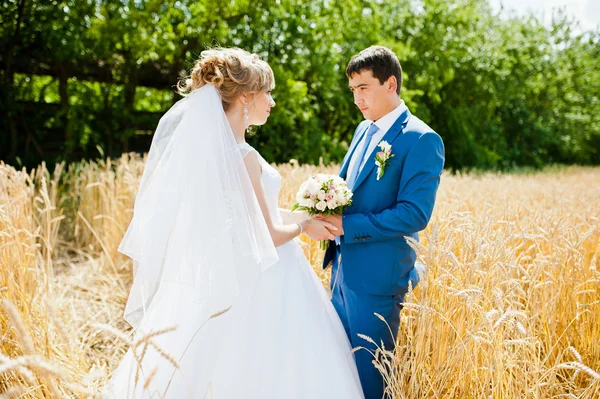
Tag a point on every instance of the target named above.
point(370, 95)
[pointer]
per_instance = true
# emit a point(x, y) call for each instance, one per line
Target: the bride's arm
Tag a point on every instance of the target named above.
point(282, 233)
point(293, 217)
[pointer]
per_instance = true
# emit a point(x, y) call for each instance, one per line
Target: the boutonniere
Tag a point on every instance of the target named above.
point(382, 158)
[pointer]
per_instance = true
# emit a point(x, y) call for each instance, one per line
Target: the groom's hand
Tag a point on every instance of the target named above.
point(335, 220)
point(319, 230)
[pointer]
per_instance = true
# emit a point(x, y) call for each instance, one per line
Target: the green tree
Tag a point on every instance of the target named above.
point(78, 76)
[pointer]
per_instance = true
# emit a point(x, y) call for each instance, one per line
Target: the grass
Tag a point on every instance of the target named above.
point(509, 306)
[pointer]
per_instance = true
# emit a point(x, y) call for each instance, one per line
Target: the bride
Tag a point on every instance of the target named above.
point(224, 303)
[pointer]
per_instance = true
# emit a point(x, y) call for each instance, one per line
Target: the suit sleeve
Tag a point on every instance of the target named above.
point(415, 201)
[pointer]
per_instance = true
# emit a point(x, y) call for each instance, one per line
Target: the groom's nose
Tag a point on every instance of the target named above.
point(357, 99)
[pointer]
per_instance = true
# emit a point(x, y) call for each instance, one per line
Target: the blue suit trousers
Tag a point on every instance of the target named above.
point(357, 312)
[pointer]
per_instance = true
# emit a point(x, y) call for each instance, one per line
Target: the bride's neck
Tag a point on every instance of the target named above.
point(236, 121)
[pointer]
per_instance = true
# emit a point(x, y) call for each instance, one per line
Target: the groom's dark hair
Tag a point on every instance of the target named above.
point(380, 60)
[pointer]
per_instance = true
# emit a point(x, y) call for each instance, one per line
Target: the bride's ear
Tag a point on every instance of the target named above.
point(244, 99)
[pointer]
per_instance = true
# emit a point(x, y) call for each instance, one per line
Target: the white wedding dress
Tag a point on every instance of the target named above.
point(281, 339)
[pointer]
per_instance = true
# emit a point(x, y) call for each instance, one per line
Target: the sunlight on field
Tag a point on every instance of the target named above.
point(509, 306)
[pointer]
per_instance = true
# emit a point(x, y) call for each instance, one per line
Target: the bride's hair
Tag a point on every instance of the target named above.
point(232, 71)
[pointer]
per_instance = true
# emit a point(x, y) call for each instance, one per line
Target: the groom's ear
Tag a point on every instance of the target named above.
point(392, 83)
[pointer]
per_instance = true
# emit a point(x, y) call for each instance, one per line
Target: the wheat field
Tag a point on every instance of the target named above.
point(509, 306)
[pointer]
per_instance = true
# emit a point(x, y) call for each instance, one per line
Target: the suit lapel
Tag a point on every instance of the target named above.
point(390, 136)
point(346, 163)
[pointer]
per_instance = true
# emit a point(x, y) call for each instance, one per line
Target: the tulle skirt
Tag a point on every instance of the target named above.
point(281, 339)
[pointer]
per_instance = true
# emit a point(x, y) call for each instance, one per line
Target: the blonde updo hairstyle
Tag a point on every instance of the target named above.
point(232, 71)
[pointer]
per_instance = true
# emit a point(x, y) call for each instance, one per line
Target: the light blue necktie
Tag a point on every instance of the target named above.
point(353, 175)
point(354, 172)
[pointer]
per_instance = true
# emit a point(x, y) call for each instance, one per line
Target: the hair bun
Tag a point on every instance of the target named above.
point(211, 71)
point(232, 71)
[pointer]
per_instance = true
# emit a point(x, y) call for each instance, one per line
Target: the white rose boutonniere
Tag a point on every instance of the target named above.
point(382, 158)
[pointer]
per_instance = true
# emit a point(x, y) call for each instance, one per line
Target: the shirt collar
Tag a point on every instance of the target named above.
point(385, 122)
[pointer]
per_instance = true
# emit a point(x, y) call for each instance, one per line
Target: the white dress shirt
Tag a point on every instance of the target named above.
point(384, 124)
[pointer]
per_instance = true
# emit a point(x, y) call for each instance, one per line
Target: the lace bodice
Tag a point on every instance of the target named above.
point(271, 180)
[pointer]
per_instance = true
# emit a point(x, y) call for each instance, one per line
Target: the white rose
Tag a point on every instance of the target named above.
point(302, 191)
point(321, 205)
point(385, 146)
point(332, 204)
point(307, 202)
point(344, 199)
point(313, 186)
point(338, 180)
point(321, 195)
point(320, 178)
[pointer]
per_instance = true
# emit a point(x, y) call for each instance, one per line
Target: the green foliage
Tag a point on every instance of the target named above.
point(503, 92)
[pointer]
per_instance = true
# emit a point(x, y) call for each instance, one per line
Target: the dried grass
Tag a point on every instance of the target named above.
point(508, 307)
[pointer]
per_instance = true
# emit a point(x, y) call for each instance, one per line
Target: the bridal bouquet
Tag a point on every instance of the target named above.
point(323, 194)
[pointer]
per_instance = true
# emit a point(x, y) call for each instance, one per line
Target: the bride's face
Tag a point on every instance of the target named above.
point(260, 108)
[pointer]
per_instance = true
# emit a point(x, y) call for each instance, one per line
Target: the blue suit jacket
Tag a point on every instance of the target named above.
point(375, 256)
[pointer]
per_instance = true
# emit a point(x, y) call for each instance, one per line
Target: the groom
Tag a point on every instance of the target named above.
point(372, 264)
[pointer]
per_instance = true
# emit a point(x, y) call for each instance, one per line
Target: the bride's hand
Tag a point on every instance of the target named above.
point(318, 229)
